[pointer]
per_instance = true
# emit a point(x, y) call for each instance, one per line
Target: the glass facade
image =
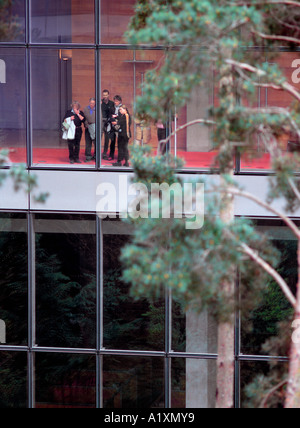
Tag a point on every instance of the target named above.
point(75, 338)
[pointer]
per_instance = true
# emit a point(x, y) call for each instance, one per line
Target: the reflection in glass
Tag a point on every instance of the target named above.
point(123, 74)
point(67, 21)
point(117, 78)
point(13, 274)
point(130, 382)
point(193, 383)
point(72, 77)
point(115, 17)
point(128, 324)
point(13, 103)
point(13, 380)
point(259, 159)
point(258, 379)
point(264, 321)
point(65, 381)
point(12, 21)
point(65, 282)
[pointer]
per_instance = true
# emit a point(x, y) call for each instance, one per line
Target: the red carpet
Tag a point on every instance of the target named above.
point(262, 163)
point(193, 160)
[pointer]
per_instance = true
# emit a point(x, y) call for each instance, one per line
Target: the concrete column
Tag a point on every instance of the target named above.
point(201, 337)
point(198, 135)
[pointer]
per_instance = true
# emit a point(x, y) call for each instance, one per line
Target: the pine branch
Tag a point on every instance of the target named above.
point(277, 38)
point(294, 188)
point(266, 3)
point(272, 392)
point(283, 23)
point(234, 26)
point(284, 86)
point(284, 218)
point(246, 66)
point(254, 254)
point(187, 125)
point(271, 271)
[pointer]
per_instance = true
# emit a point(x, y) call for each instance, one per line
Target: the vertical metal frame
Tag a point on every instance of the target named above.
point(98, 108)
point(99, 310)
point(98, 22)
point(237, 347)
point(27, 21)
point(168, 349)
point(28, 82)
point(31, 308)
point(28, 108)
point(98, 82)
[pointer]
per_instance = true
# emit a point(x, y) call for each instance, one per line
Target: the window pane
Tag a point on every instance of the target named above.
point(117, 77)
point(128, 324)
point(68, 21)
point(65, 281)
point(115, 17)
point(259, 159)
point(12, 21)
point(193, 383)
point(13, 380)
point(13, 273)
point(263, 323)
point(257, 381)
point(130, 382)
point(194, 144)
point(13, 103)
point(123, 73)
point(58, 78)
point(65, 381)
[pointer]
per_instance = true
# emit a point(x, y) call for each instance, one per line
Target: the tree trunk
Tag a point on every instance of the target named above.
point(225, 368)
point(293, 390)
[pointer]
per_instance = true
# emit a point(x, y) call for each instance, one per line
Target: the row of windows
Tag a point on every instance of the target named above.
point(72, 335)
point(38, 83)
point(38, 86)
point(67, 21)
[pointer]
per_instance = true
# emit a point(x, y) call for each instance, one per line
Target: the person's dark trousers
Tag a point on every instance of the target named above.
point(162, 135)
point(88, 146)
point(109, 137)
point(74, 146)
point(112, 145)
point(123, 153)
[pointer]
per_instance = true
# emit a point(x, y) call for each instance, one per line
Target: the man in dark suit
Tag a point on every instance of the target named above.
point(108, 109)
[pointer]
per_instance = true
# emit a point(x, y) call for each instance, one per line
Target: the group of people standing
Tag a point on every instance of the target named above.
point(116, 128)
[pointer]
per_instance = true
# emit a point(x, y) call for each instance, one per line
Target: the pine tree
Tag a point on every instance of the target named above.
point(201, 37)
